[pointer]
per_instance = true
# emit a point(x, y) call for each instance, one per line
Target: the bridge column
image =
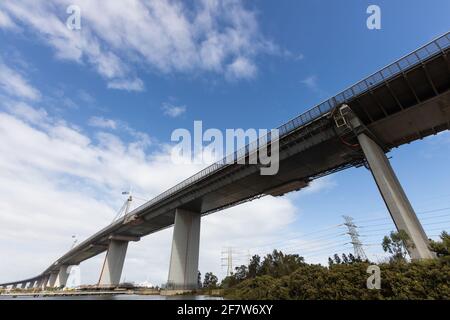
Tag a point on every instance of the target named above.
point(395, 198)
point(114, 260)
point(52, 279)
point(61, 279)
point(23, 285)
point(44, 283)
point(183, 269)
point(389, 186)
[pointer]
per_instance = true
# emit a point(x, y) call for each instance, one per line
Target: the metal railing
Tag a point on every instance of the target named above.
point(418, 56)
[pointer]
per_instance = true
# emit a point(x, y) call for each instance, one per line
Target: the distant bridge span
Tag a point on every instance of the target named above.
point(405, 101)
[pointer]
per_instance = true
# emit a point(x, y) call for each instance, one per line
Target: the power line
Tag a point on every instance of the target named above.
point(419, 212)
point(310, 246)
point(384, 231)
point(306, 247)
point(325, 229)
point(326, 236)
point(434, 210)
point(376, 225)
point(440, 228)
point(320, 253)
point(437, 222)
point(389, 229)
point(306, 252)
point(307, 243)
point(438, 216)
point(321, 238)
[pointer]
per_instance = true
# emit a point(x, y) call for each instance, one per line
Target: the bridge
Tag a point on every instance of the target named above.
point(403, 102)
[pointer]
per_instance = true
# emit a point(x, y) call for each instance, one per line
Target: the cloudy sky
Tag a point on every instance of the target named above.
point(86, 114)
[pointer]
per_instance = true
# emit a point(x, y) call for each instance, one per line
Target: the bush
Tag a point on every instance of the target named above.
point(429, 279)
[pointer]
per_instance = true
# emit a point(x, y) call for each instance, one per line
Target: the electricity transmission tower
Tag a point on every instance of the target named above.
point(354, 235)
point(233, 256)
point(227, 255)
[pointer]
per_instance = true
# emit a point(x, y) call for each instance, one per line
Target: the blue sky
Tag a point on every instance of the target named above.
point(116, 89)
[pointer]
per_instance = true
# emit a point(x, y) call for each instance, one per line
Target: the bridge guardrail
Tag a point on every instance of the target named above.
point(401, 65)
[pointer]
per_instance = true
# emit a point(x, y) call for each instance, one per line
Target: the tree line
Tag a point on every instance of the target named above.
point(288, 276)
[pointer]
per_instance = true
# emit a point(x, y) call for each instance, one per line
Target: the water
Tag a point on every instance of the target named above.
point(114, 297)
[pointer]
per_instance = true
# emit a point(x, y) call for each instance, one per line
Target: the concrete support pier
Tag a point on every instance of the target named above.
point(183, 269)
point(52, 279)
point(389, 186)
point(44, 282)
point(61, 279)
point(395, 198)
point(114, 260)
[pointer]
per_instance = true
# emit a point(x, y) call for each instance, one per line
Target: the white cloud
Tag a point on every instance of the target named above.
point(101, 122)
point(166, 36)
point(172, 110)
point(321, 184)
point(6, 22)
point(86, 97)
point(43, 18)
point(311, 82)
point(56, 181)
point(14, 84)
point(241, 68)
point(127, 84)
point(24, 111)
point(299, 57)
